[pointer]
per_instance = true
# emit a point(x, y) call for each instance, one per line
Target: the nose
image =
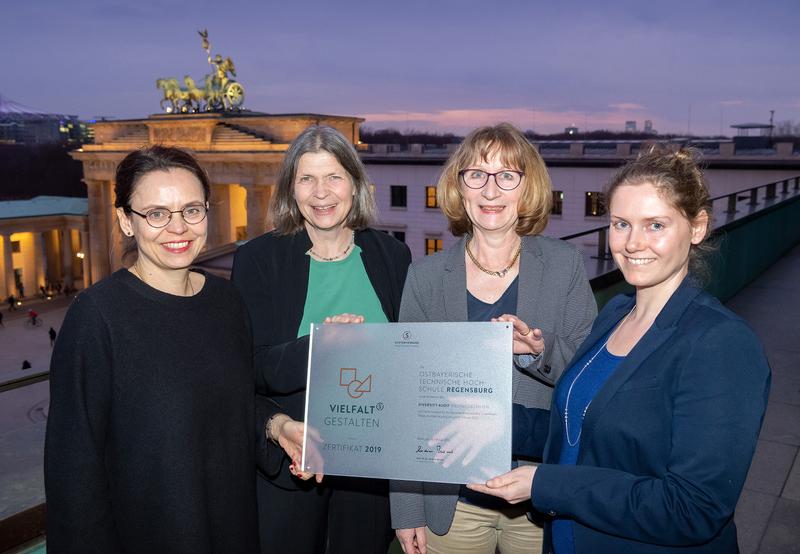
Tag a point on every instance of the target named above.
point(176, 224)
point(490, 190)
point(635, 240)
point(320, 190)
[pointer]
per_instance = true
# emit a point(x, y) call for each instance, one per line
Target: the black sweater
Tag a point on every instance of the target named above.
point(149, 442)
point(271, 272)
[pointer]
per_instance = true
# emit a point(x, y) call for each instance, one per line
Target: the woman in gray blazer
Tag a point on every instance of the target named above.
point(495, 192)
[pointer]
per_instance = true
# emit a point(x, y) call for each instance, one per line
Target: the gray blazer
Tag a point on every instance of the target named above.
point(554, 295)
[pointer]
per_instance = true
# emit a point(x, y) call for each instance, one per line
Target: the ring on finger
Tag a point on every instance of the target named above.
point(526, 333)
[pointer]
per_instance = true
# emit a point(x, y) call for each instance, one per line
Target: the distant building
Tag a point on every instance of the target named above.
point(648, 127)
point(571, 130)
point(630, 126)
point(22, 125)
point(43, 243)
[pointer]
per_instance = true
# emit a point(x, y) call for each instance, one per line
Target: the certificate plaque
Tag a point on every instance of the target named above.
point(409, 401)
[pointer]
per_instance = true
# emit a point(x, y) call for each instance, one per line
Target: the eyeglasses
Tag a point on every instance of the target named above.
point(160, 217)
point(507, 179)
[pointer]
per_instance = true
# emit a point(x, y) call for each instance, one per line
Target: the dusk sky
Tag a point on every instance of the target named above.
point(435, 65)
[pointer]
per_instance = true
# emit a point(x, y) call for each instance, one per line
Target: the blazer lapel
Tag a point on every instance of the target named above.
point(529, 290)
point(299, 267)
point(662, 329)
point(454, 283)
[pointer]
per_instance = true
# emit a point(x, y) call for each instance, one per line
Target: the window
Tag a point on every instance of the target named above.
point(15, 246)
point(398, 199)
point(430, 197)
point(595, 204)
point(432, 246)
point(399, 235)
point(558, 202)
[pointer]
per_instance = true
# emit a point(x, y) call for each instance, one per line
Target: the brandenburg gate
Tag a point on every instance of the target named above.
point(241, 151)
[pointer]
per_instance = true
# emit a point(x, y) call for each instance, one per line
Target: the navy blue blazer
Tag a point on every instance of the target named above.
point(666, 442)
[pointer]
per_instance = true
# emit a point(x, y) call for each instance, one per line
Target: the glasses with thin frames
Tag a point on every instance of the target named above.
point(160, 217)
point(508, 179)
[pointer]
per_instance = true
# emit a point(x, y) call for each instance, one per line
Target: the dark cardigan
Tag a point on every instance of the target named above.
point(271, 273)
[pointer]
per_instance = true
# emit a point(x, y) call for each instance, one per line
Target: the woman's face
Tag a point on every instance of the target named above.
point(323, 190)
point(177, 244)
point(649, 238)
point(491, 208)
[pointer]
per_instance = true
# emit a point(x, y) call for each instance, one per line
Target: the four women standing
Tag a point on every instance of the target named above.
point(150, 443)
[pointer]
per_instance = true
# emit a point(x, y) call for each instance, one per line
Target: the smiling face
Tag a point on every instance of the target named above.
point(492, 209)
point(176, 245)
point(649, 238)
point(323, 190)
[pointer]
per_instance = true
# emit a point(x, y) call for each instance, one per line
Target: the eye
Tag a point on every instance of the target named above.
point(656, 226)
point(619, 225)
point(191, 211)
point(475, 174)
point(507, 176)
point(304, 179)
point(334, 177)
point(157, 215)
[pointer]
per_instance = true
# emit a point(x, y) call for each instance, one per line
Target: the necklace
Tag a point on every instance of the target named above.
point(502, 273)
point(340, 256)
point(578, 376)
point(140, 275)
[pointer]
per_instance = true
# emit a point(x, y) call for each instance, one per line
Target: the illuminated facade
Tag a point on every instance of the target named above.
point(42, 245)
point(242, 153)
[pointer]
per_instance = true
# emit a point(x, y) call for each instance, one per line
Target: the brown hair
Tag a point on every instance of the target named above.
point(318, 138)
point(678, 177)
point(516, 153)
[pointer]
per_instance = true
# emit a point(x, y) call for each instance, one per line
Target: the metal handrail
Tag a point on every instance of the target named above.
point(20, 382)
point(732, 197)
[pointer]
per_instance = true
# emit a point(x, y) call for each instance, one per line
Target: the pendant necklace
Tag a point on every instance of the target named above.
point(578, 376)
point(334, 258)
point(502, 273)
point(140, 275)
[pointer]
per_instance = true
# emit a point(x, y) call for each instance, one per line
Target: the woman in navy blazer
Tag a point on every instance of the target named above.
point(653, 427)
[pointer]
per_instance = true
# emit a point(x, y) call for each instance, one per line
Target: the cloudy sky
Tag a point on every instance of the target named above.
point(438, 65)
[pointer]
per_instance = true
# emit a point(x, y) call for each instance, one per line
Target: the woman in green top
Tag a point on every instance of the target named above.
point(322, 263)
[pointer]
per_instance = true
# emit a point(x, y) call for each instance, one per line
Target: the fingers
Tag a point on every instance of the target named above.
point(344, 318)
point(422, 540)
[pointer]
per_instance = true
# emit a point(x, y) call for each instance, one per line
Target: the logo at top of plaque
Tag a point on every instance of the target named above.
point(406, 335)
point(348, 378)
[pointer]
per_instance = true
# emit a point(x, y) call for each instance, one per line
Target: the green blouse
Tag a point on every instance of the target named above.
point(340, 287)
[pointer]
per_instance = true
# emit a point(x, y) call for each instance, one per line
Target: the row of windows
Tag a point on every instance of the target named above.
point(399, 197)
point(431, 245)
point(594, 207)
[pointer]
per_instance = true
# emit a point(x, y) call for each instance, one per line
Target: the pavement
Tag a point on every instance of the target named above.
point(768, 513)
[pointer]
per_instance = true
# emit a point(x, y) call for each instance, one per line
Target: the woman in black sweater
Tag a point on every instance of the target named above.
point(149, 442)
point(321, 264)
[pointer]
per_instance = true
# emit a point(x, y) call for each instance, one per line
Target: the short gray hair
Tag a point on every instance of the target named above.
point(318, 138)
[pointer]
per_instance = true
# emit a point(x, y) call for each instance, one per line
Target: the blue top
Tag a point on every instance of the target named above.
point(478, 310)
point(585, 381)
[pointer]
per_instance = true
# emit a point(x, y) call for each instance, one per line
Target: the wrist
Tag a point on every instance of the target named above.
point(275, 425)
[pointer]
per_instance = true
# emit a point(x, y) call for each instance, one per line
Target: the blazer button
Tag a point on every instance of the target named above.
point(547, 369)
point(551, 513)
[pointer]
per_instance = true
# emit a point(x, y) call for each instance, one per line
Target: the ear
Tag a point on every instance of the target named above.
point(699, 227)
point(124, 223)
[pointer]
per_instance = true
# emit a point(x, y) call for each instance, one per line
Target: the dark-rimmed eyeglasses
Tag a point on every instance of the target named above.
point(508, 179)
point(160, 217)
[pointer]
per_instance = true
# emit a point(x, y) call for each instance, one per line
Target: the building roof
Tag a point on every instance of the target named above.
point(752, 126)
point(44, 205)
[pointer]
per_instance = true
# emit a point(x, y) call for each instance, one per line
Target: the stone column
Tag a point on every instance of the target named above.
point(86, 262)
point(40, 261)
point(96, 248)
point(219, 216)
point(114, 233)
point(65, 238)
point(8, 266)
point(257, 209)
